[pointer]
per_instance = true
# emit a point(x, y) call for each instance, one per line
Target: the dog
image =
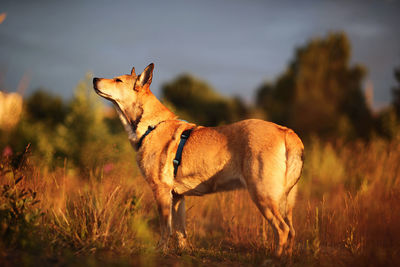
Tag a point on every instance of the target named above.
point(261, 156)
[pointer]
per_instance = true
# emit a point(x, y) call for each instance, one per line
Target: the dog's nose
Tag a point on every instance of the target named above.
point(95, 80)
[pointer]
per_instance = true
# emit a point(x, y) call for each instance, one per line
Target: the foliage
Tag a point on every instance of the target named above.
point(82, 138)
point(387, 124)
point(197, 101)
point(19, 213)
point(396, 92)
point(78, 132)
point(45, 107)
point(320, 93)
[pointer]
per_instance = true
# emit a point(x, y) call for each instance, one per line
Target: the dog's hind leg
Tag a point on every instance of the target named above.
point(267, 201)
point(281, 229)
point(271, 213)
point(178, 219)
point(265, 179)
point(289, 218)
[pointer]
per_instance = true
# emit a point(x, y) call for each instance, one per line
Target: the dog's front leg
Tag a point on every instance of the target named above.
point(163, 197)
point(178, 219)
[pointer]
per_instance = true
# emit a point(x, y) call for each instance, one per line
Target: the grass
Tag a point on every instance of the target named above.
point(347, 213)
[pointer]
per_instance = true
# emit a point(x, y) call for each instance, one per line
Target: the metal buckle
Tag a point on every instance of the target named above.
point(175, 162)
point(185, 134)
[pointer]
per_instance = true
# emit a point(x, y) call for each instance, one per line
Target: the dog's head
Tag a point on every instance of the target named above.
point(124, 90)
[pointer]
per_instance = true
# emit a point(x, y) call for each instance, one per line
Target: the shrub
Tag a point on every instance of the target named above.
point(19, 214)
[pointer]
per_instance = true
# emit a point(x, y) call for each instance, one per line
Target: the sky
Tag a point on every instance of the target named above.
point(233, 45)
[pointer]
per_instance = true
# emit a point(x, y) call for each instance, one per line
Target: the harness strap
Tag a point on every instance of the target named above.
point(139, 144)
point(178, 157)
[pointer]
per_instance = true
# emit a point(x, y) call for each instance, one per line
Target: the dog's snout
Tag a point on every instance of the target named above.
point(95, 80)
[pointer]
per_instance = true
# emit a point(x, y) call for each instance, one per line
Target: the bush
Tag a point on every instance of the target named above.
point(19, 214)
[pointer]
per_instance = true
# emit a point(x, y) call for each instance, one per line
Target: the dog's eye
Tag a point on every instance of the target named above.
point(118, 80)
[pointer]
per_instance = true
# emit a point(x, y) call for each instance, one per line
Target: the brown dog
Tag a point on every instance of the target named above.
point(261, 156)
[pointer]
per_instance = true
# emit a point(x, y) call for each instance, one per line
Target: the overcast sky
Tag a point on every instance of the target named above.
point(234, 45)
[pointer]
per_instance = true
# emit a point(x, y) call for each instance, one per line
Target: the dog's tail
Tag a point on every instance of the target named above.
point(294, 159)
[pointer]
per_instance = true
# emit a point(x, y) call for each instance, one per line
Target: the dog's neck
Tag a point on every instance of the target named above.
point(137, 118)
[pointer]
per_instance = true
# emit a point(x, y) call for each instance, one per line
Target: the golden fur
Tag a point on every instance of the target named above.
point(261, 156)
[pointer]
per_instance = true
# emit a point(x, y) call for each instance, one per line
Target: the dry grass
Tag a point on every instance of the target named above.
point(348, 213)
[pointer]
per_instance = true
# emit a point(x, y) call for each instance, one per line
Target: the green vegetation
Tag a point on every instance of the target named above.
point(320, 93)
point(77, 133)
point(74, 196)
point(19, 214)
point(195, 100)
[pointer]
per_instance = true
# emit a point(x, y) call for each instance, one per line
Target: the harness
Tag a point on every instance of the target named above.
point(178, 156)
point(139, 144)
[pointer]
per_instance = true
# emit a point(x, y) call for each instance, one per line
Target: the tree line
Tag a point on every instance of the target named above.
point(319, 94)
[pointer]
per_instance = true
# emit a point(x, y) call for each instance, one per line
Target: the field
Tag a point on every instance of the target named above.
point(71, 193)
point(347, 214)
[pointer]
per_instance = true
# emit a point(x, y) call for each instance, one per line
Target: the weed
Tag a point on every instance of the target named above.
point(20, 215)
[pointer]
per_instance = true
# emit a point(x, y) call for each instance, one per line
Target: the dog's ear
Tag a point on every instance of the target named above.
point(145, 78)
point(133, 72)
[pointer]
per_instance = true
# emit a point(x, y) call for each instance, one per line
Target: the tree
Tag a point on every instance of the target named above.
point(45, 107)
point(197, 101)
point(274, 98)
point(84, 137)
point(320, 93)
point(396, 92)
point(388, 119)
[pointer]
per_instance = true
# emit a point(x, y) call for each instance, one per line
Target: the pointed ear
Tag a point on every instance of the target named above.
point(146, 76)
point(133, 72)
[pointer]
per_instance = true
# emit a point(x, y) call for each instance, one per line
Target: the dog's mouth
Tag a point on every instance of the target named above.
point(100, 93)
point(104, 95)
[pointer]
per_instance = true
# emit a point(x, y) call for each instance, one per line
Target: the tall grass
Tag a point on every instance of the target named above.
point(347, 213)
